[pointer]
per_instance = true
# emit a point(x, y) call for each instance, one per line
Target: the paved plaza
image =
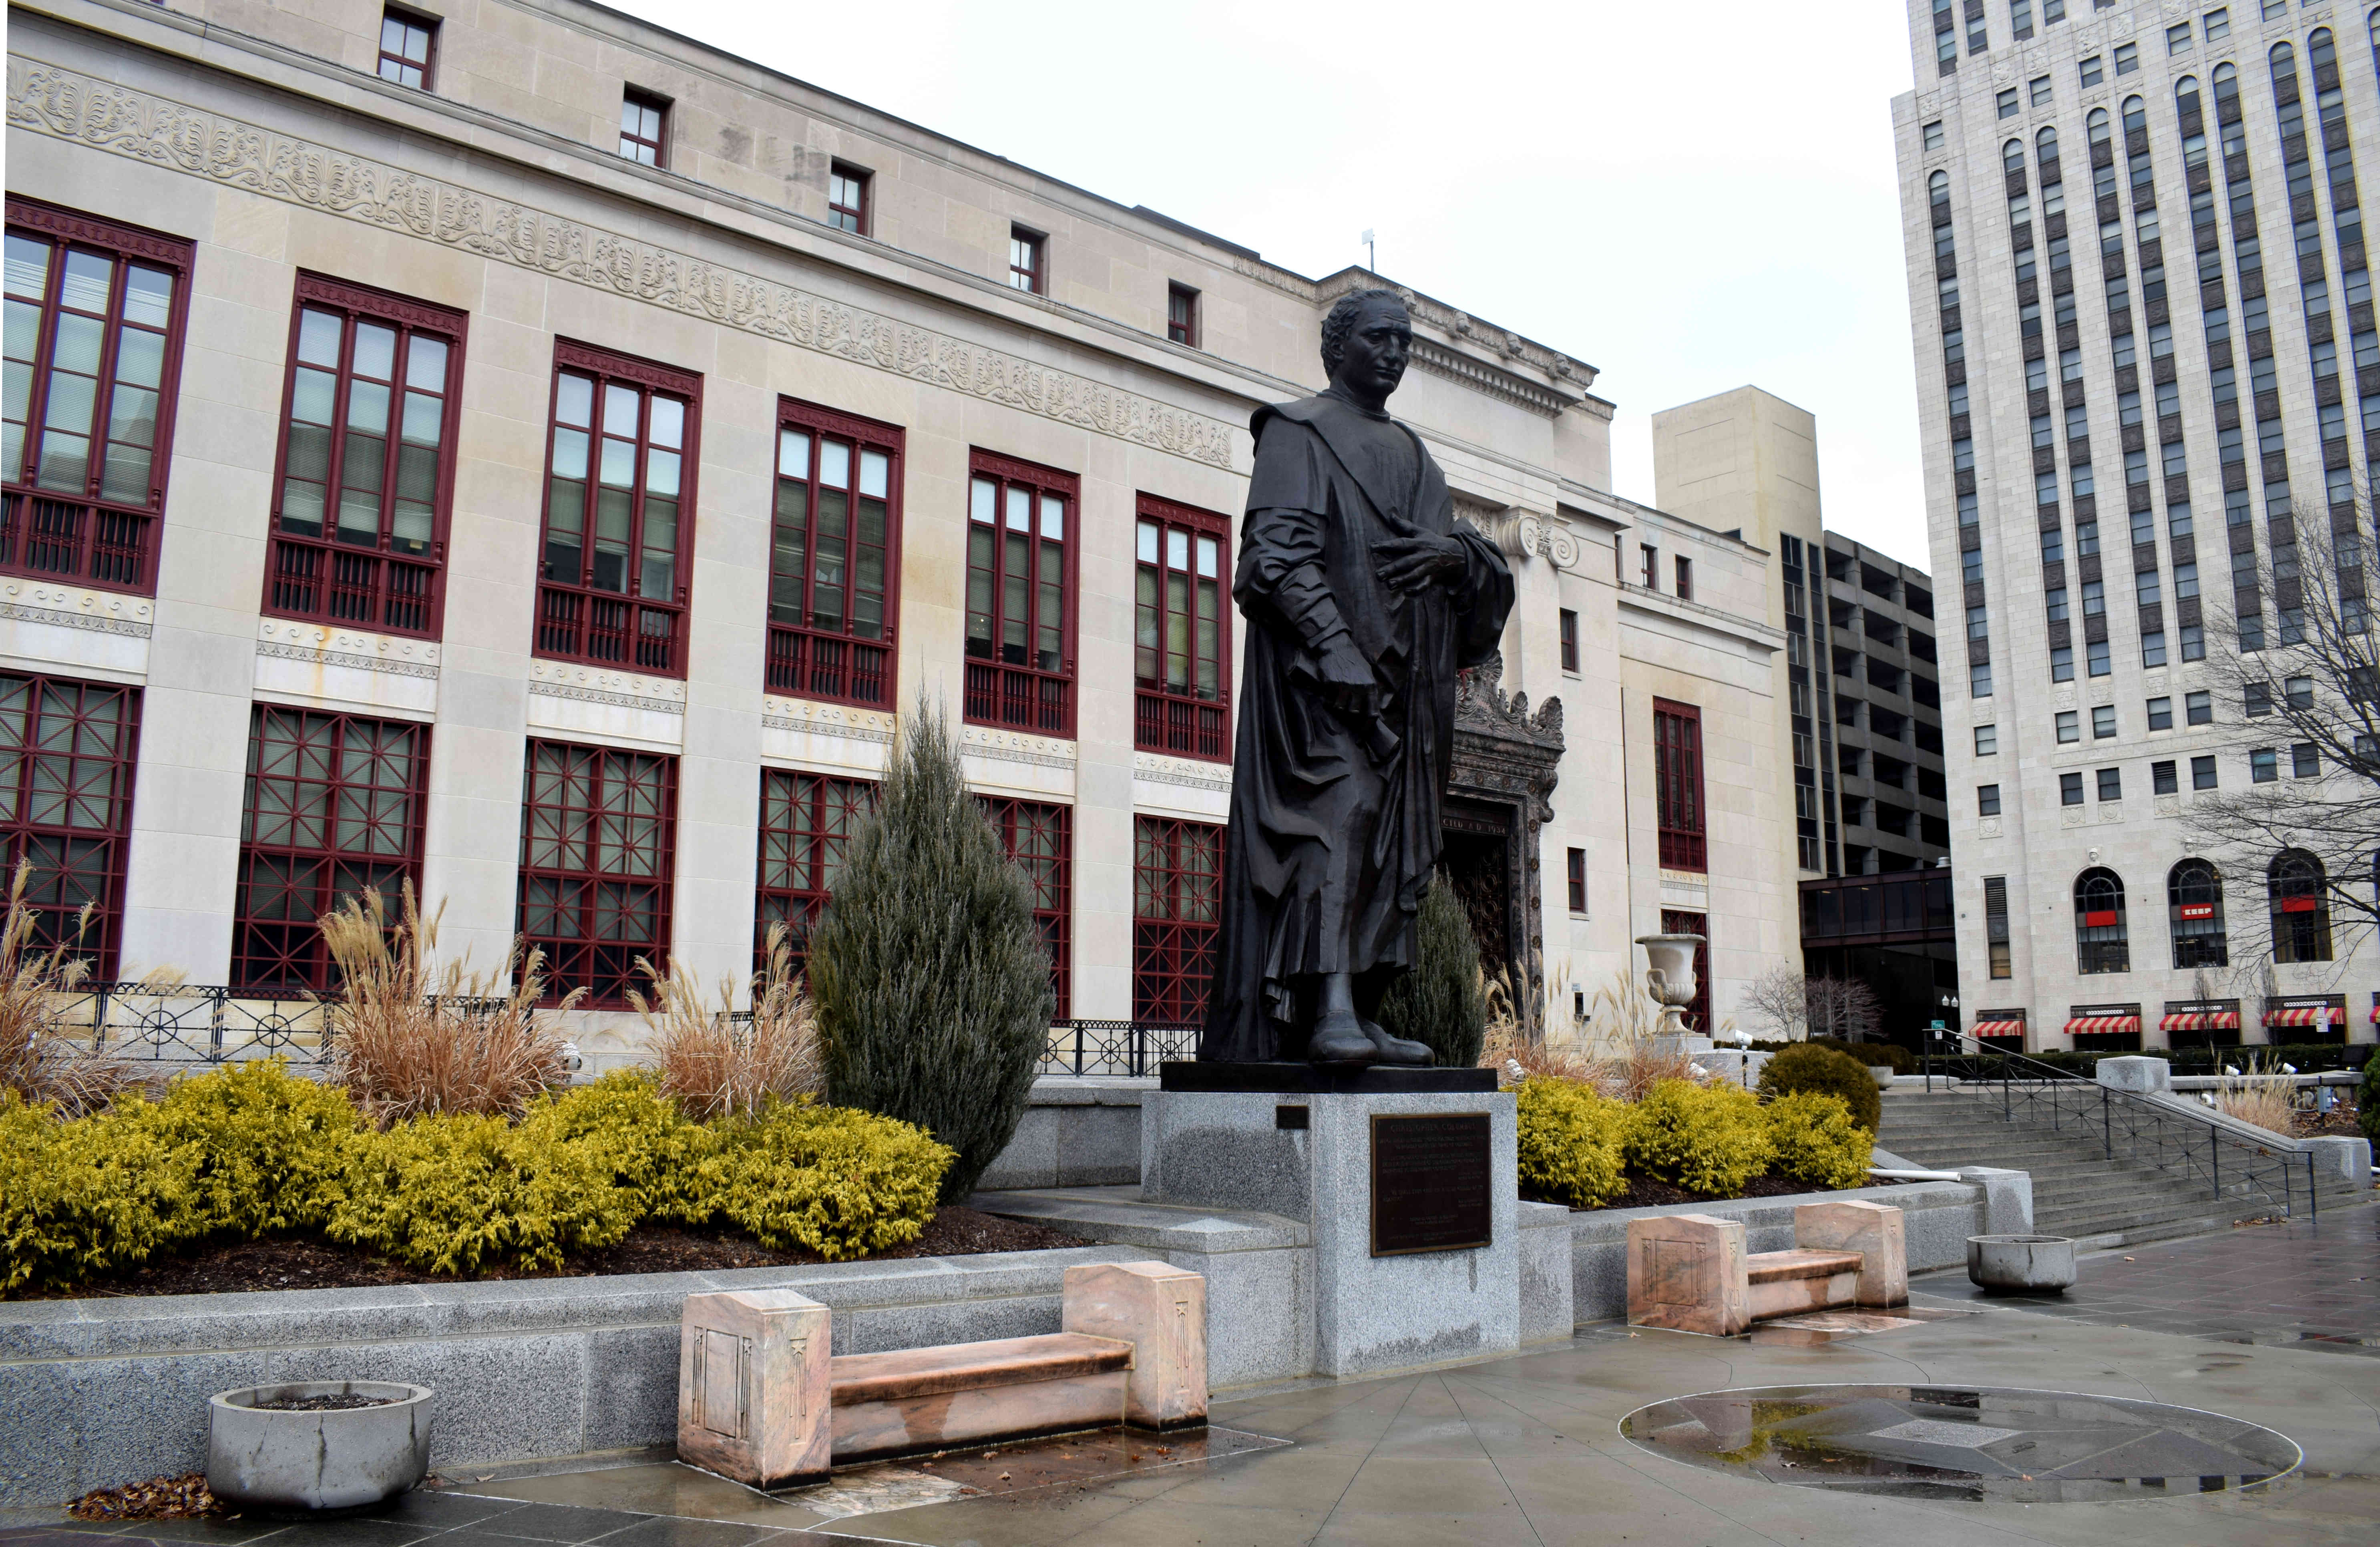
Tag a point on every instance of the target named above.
point(2250, 1324)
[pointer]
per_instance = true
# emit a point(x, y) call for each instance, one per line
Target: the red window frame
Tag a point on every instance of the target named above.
point(636, 107)
point(333, 808)
point(848, 200)
point(1677, 785)
point(386, 581)
point(89, 534)
point(1578, 880)
point(1685, 573)
point(576, 619)
point(1038, 838)
point(425, 68)
point(1027, 691)
point(1032, 274)
point(1698, 1013)
point(1177, 887)
point(1193, 719)
point(68, 809)
point(1182, 315)
point(855, 662)
point(1652, 566)
point(807, 821)
point(1569, 640)
point(577, 802)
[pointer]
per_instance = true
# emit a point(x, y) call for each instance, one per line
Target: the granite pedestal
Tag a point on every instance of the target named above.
point(1307, 1154)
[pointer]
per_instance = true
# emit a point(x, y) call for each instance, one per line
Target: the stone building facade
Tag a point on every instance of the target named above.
point(2145, 340)
point(542, 458)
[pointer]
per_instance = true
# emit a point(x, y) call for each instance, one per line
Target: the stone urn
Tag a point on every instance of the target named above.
point(2020, 1264)
point(1670, 976)
point(309, 1447)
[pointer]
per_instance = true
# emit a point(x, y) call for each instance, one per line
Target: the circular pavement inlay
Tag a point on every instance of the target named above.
point(1962, 1442)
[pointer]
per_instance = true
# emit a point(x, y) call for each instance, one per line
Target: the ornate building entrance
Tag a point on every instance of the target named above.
point(1506, 761)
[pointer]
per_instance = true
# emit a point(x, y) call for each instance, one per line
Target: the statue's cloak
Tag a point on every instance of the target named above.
point(1335, 821)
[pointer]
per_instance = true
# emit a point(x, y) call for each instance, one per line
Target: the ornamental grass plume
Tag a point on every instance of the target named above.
point(37, 1060)
point(712, 1064)
point(1629, 1022)
point(415, 1041)
point(2263, 1097)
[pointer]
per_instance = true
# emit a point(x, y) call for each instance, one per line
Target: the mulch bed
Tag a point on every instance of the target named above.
point(279, 1262)
point(162, 1498)
point(1647, 1192)
point(2339, 1122)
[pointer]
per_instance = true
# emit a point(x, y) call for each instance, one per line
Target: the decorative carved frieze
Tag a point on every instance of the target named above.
point(829, 720)
point(46, 99)
point(1016, 747)
point(281, 639)
point(1188, 772)
point(593, 684)
point(78, 607)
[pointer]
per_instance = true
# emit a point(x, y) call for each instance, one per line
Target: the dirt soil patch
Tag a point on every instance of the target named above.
point(297, 1264)
point(1648, 1192)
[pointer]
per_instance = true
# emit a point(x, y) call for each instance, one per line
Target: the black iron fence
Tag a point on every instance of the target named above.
point(2175, 1139)
point(1114, 1048)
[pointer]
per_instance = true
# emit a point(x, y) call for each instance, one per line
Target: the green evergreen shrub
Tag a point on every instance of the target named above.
point(456, 1193)
point(1816, 1140)
point(2367, 1101)
point(840, 1181)
point(930, 978)
point(259, 1142)
point(85, 1197)
point(1570, 1135)
point(1709, 1139)
point(1440, 1003)
point(1806, 1067)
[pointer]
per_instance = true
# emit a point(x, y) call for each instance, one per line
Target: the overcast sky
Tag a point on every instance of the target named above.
point(1687, 197)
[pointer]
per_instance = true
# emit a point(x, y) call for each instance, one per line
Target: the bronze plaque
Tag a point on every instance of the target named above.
point(1431, 1184)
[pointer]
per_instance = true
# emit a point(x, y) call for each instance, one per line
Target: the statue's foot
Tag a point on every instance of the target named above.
point(1397, 1050)
point(1338, 1042)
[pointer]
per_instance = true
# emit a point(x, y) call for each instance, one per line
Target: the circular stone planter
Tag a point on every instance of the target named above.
point(1882, 1075)
point(278, 1461)
point(2018, 1264)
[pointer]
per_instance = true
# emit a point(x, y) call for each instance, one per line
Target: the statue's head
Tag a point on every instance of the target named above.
point(1367, 340)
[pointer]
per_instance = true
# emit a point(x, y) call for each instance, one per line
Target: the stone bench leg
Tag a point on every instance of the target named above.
point(1686, 1272)
point(755, 1395)
point(1162, 1310)
point(1875, 1231)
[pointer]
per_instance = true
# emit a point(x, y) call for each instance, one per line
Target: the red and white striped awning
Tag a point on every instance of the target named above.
point(2306, 1015)
point(1999, 1027)
point(2375, 1008)
point(2093, 1025)
point(2201, 1020)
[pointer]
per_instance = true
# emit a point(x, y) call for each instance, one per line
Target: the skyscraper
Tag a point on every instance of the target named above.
point(2136, 260)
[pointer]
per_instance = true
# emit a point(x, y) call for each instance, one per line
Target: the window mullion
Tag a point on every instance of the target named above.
point(392, 446)
point(102, 412)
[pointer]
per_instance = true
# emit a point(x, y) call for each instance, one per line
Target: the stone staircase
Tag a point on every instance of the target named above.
point(2077, 1191)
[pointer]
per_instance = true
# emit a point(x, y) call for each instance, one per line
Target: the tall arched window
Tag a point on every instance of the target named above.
point(1938, 188)
point(2044, 145)
point(2194, 908)
point(2301, 901)
point(2013, 156)
point(2101, 944)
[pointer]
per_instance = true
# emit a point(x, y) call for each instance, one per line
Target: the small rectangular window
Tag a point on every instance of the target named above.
point(2127, 58)
point(2264, 766)
point(2160, 714)
point(2298, 691)
point(2100, 661)
point(1182, 315)
point(2305, 761)
point(1652, 561)
point(1987, 741)
point(2218, 24)
point(2199, 707)
point(2177, 38)
point(2038, 90)
point(1987, 800)
point(1685, 573)
point(2111, 784)
point(2202, 773)
point(2153, 647)
point(1979, 680)
point(1996, 924)
point(2070, 726)
point(1026, 250)
point(644, 128)
point(1578, 880)
point(2090, 72)
point(2007, 104)
point(2258, 700)
point(2165, 777)
point(1933, 135)
point(408, 44)
point(1569, 640)
point(2103, 721)
point(2061, 663)
point(2069, 789)
point(848, 188)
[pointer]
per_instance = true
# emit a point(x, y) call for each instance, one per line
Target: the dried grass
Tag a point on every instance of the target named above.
point(414, 1039)
point(714, 1066)
point(37, 1060)
point(2269, 1103)
point(1624, 1061)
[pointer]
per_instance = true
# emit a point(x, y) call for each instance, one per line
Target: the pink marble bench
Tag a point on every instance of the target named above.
point(1689, 1273)
point(761, 1400)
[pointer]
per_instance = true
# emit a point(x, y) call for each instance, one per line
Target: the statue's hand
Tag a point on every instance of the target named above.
point(1347, 679)
point(1409, 564)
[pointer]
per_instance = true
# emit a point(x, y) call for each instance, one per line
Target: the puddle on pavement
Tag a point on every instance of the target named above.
point(1062, 1460)
point(1963, 1443)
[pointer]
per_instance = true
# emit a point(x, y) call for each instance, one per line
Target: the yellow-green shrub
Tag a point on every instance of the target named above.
point(1705, 1138)
point(838, 1180)
point(1816, 1140)
point(453, 1194)
point(651, 1147)
point(84, 1197)
point(1571, 1137)
point(259, 1142)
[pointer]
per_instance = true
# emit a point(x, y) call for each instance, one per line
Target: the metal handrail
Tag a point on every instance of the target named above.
point(2174, 1139)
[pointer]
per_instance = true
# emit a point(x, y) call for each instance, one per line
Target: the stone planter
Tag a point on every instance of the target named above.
point(2014, 1265)
point(1882, 1074)
point(277, 1461)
